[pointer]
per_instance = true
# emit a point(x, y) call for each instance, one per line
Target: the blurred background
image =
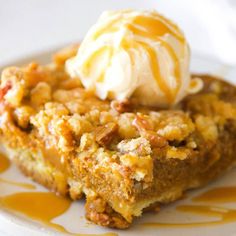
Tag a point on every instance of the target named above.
point(32, 26)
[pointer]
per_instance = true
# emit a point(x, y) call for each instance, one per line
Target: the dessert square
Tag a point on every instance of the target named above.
point(124, 157)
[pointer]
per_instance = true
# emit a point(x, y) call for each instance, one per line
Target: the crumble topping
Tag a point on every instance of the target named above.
point(40, 94)
point(139, 146)
point(62, 111)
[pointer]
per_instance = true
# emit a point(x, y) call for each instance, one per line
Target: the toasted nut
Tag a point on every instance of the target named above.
point(4, 90)
point(121, 106)
point(145, 130)
point(105, 134)
point(141, 124)
point(154, 139)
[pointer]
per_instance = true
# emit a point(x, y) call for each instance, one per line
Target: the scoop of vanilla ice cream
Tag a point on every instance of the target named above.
point(134, 53)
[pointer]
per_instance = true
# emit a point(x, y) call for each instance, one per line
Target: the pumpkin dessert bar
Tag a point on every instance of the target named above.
point(123, 157)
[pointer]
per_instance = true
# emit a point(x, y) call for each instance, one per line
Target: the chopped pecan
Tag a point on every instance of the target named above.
point(145, 130)
point(4, 90)
point(154, 139)
point(105, 134)
point(141, 124)
point(121, 106)
point(98, 211)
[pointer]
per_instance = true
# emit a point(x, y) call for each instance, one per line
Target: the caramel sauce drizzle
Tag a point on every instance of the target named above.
point(88, 63)
point(18, 184)
point(145, 27)
point(156, 71)
point(213, 196)
point(218, 195)
point(176, 68)
point(155, 65)
point(155, 27)
point(4, 163)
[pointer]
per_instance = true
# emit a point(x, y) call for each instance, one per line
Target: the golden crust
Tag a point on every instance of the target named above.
point(122, 156)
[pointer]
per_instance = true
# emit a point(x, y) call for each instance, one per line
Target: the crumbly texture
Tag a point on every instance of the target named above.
point(123, 157)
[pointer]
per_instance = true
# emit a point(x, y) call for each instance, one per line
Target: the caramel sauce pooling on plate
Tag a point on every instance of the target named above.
point(218, 195)
point(43, 206)
point(213, 196)
point(4, 163)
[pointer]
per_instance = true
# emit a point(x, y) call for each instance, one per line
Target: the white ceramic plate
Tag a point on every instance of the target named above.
point(73, 220)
